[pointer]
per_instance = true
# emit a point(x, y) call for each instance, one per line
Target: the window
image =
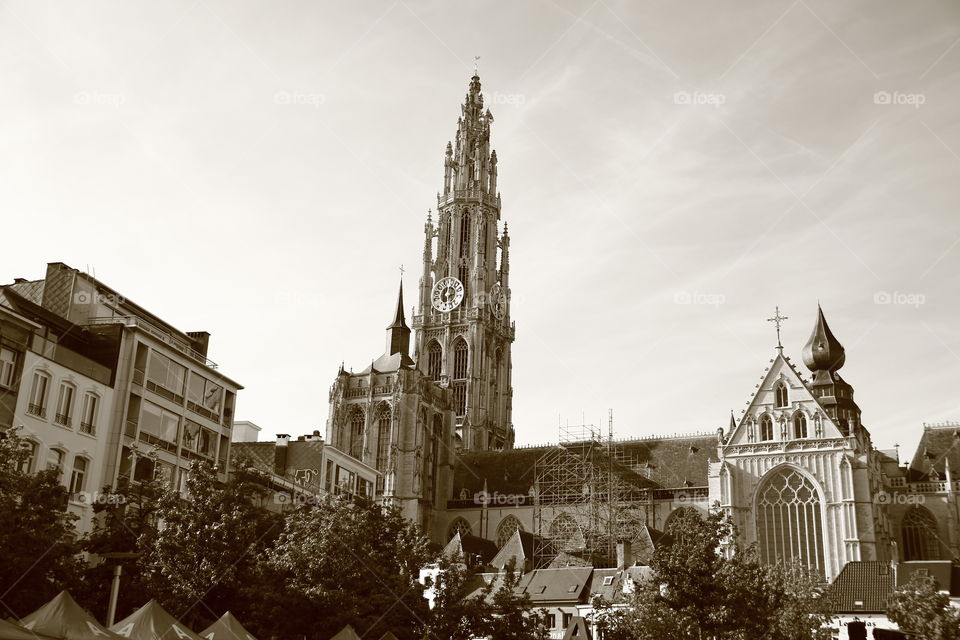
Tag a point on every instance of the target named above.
point(920, 535)
point(434, 360)
point(65, 405)
point(780, 393)
point(191, 435)
point(789, 519)
point(508, 526)
point(551, 620)
point(38, 395)
point(607, 581)
point(159, 424)
point(55, 461)
point(766, 427)
point(79, 476)
point(461, 526)
point(461, 355)
point(91, 407)
point(28, 462)
point(383, 438)
point(165, 375)
point(799, 425)
point(459, 398)
point(465, 234)
point(567, 618)
point(356, 434)
point(464, 277)
point(8, 363)
point(204, 396)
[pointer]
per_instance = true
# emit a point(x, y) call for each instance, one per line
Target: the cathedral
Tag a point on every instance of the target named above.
point(797, 471)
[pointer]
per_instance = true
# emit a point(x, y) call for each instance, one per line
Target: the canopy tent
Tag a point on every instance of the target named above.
point(347, 633)
point(226, 628)
point(13, 631)
point(64, 619)
point(152, 622)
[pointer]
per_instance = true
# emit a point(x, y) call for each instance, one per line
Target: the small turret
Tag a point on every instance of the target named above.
point(398, 333)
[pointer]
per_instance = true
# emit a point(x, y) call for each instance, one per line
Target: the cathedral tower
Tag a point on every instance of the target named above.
point(463, 326)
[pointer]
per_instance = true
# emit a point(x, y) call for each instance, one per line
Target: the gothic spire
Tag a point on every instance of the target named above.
point(398, 333)
point(823, 352)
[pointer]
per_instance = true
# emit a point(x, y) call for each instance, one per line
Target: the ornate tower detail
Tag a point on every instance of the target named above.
point(463, 326)
point(824, 355)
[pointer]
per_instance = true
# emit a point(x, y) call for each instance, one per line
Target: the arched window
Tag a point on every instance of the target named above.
point(461, 526)
point(780, 392)
point(460, 357)
point(508, 526)
point(434, 360)
point(356, 434)
point(383, 436)
point(799, 425)
point(464, 277)
point(766, 427)
point(789, 519)
point(566, 534)
point(921, 539)
point(671, 518)
point(78, 478)
point(465, 234)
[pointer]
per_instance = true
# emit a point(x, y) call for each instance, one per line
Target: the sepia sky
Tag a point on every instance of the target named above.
point(670, 171)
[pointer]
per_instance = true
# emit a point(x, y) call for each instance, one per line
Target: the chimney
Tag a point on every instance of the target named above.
point(19, 280)
point(280, 454)
point(200, 340)
point(624, 555)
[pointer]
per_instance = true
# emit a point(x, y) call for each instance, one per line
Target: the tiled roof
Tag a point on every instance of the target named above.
point(665, 462)
point(937, 444)
point(862, 587)
point(32, 290)
point(557, 585)
point(467, 545)
point(612, 592)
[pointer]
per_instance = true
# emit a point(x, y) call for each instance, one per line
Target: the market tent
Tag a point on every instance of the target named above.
point(226, 628)
point(152, 622)
point(347, 633)
point(13, 631)
point(64, 619)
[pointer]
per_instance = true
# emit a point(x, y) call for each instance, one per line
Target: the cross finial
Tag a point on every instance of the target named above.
point(402, 270)
point(476, 59)
point(777, 320)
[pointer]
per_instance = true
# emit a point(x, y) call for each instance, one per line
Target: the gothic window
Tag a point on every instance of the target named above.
point(766, 428)
point(356, 434)
point(565, 532)
point(799, 425)
point(780, 393)
point(464, 277)
point(460, 357)
point(461, 526)
point(465, 234)
point(483, 238)
point(383, 436)
point(434, 360)
point(920, 535)
point(789, 520)
point(671, 518)
point(459, 399)
point(508, 526)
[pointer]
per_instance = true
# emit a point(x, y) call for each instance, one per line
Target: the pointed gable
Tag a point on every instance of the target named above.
point(780, 394)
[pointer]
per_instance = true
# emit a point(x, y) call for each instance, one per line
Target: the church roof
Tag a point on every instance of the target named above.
point(823, 352)
point(938, 444)
point(468, 545)
point(862, 587)
point(399, 321)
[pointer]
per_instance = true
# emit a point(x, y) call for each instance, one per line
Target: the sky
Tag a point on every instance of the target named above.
point(671, 171)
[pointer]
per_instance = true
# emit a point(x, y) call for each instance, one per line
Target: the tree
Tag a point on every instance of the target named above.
point(37, 533)
point(202, 557)
point(921, 611)
point(344, 562)
point(512, 617)
point(460, 603)
point(697, 592)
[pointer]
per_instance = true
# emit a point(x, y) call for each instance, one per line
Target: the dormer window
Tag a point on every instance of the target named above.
point(780, 395)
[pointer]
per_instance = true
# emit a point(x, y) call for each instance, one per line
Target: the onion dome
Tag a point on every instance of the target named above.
point(823, 352)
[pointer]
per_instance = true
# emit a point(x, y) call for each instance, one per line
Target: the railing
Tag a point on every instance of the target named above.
point(36, 410)
point(163, 336)
point(203, 411)
point(149, 438)
point(138, 376)
point(161, 391)
point(62, 419)
point(87, 428)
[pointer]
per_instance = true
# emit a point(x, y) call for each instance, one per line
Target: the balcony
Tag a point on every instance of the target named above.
point(203, 411)
point(37, 410)
point(62, 419)
point(87, 428)
point(156, 332)
point(138, 376)
point(163, 392)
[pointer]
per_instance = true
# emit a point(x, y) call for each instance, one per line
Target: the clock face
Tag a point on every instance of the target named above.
point(447, 294)
point(498, 299)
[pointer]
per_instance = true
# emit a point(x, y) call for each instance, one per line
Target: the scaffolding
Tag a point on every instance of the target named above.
point(587, 497)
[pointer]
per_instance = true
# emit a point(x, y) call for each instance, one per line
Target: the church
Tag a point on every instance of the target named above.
point(797, 472)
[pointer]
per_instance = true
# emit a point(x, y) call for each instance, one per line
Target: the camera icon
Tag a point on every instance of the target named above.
point(282, 97)
point(883, 497)
point(882, 297)
point(682, 97)
point(682, 297)
point(281, 497)
point(681, 497)
point(82, 297)
point(882, 97)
